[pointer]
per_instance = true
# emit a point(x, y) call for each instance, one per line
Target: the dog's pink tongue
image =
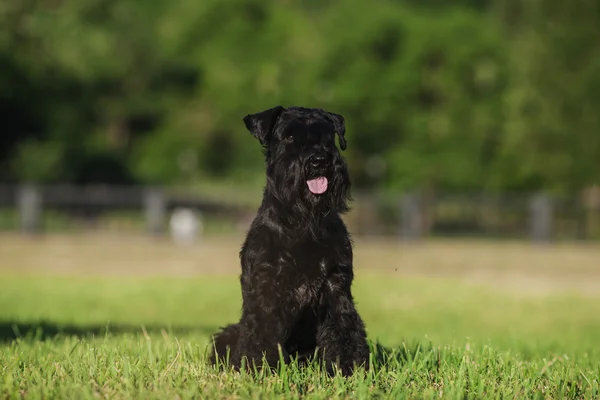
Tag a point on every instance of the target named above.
point(317, 185)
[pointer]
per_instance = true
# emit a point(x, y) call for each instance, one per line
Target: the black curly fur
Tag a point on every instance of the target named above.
point(297, 257)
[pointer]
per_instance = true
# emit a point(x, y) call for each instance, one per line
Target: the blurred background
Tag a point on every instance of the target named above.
point(128, 179)
point(476, 118)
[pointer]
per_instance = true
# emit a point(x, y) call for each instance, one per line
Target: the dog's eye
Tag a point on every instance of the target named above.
point(289, 138)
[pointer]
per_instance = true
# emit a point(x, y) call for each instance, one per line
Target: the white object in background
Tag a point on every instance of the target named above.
point(186, 225)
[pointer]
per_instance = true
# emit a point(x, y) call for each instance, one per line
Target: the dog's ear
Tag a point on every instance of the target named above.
point(340, 128)
point(261, 124)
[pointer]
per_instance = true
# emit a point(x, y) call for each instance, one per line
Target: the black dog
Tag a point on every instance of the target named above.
point(297, 257)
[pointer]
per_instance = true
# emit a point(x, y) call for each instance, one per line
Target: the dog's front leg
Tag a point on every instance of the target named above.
point(262, 339)
point(267, 318)
point(341, 335)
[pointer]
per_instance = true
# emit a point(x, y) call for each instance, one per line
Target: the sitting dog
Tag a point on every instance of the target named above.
point(297, 256)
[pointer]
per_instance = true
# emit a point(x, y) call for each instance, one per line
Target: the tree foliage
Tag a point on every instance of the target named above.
point(454, 94)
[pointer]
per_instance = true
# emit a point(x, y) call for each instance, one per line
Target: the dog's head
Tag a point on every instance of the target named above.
point(304, 165)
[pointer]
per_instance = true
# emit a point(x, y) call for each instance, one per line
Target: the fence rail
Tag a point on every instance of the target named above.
point(409, 216)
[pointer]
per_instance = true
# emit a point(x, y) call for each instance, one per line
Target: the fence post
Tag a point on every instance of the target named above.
point(581, 220)
point(155, 206)
point(541, 218)
point(30, 209)
point(412, 217)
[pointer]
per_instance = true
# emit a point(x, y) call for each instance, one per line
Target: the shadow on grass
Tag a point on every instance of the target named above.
point(44, 330)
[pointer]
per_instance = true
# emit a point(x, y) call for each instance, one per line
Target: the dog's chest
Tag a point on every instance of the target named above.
point(311, 282)
point(305, 271)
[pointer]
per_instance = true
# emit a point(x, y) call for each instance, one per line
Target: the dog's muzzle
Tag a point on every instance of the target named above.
point(318, 161)
point(318, 164)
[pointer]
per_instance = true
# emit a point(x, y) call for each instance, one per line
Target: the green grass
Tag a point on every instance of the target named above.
point(146, 337)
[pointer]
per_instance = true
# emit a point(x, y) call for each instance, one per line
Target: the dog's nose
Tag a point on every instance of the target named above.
point(318, 160)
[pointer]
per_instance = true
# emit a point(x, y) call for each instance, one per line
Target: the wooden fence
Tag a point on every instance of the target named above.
point(408, 216)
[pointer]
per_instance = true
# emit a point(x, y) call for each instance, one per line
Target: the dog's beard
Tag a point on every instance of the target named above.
point(290, 196)
point(309, 193)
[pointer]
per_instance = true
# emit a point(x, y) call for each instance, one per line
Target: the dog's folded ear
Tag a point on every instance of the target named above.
point(340, 128)
point(262, 123)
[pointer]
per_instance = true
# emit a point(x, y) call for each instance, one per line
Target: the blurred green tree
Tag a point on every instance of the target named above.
point(452, 95)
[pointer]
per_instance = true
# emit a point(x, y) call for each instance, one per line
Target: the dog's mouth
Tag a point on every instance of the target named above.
point(317, 185)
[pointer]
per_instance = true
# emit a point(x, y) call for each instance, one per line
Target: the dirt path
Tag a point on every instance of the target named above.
point(507, 264)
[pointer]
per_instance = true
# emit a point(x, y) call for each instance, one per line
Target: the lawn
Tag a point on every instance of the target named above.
point(103, 317)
